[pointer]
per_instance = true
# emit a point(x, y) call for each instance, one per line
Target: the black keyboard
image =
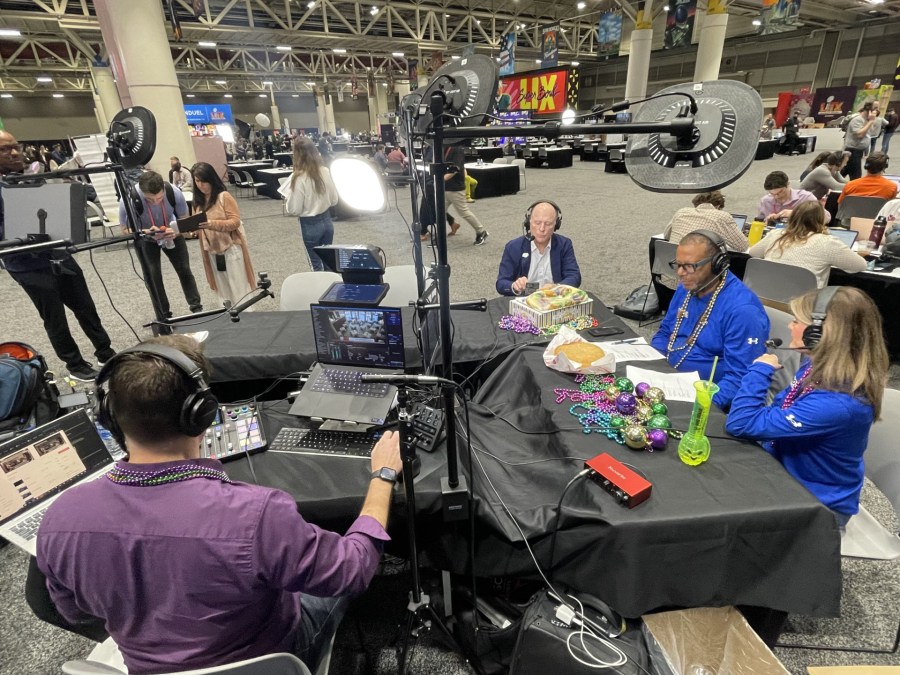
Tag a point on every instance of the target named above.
point(339, 381)
point(335, 443)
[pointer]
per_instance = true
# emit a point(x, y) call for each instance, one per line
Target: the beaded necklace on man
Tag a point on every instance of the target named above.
point(173, 474)
point(698, 328)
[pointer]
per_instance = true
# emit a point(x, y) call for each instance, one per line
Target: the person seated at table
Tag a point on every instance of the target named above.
point(712, 314)
point(540, 256)
point(818, 428)
point(823, 176)
point(396, 155)
point(780, 198)
point(873, 184)
point(805, 242)
point(380, 158)
point(707, 214)
point(215, 570)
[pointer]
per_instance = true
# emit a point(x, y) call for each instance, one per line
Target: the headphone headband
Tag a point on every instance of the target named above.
point(812, 334)
point(720, 261)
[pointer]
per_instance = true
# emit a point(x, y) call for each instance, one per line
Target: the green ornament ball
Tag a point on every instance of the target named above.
point(660, 409)
point(659, 422)
point(617, 423)
point(624, 385)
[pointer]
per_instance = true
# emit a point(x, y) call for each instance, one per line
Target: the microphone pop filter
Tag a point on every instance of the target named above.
point(469, 85)
point(723, 145)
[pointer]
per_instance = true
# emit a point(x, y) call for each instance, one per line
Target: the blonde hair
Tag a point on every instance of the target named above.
point(308, 161)
point(806, 220)
point(851, 357)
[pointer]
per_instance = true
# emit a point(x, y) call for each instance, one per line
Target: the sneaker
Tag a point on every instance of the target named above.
point(481, 239)
point(84, 373)
point(105, 356)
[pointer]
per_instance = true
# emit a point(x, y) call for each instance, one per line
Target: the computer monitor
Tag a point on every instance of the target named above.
point(357, 264)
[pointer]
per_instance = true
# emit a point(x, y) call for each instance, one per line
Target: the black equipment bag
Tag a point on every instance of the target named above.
point(28, 396)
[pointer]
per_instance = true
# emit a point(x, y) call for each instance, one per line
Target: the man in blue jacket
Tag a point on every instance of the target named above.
point(539, 257)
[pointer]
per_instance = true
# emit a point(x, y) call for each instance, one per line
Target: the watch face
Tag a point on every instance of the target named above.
point(386, 474)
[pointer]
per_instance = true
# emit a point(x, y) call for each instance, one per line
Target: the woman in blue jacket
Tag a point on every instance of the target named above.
point(818, 428)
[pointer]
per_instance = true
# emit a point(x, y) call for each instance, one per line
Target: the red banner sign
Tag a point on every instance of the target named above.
point(541, 92)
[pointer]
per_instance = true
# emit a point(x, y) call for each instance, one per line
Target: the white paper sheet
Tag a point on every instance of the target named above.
point(635, 349)
point(676, 386)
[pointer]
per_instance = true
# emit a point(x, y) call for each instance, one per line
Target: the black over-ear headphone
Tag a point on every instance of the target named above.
point(527, 224)
point(198, 410)
point(868, 164)
point(720, 261)
point(812, 334)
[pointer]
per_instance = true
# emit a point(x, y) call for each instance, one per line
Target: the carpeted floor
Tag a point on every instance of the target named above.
point(610, 220)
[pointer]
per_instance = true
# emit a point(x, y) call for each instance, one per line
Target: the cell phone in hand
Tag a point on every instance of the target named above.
point(605, 331)
point(531, 287)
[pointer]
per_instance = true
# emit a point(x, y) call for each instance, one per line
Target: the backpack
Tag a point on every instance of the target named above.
point(641, 304)
point(28, 396)
point(846, 122)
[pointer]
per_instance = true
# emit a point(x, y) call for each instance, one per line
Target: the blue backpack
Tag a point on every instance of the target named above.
point(28, 396)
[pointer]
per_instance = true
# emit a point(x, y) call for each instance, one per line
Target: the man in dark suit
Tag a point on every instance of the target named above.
point(539, 257)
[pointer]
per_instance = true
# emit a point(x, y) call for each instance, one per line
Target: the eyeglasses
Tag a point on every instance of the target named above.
point(690, 268)
point(9, 149)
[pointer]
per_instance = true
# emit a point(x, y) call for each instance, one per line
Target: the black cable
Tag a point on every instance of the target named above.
point(580, 474)
point(109, 297)
point(133, 266)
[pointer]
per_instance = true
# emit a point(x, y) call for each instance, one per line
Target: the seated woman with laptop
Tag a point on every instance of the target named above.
point(805, 242)
point(826, 175)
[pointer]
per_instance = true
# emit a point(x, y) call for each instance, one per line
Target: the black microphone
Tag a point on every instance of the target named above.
point(775, 343)
point(400, 378)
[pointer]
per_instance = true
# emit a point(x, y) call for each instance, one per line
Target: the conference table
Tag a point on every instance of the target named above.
point(284, 158)
point(272, 179)
point(494, 180)
point(555, 158)
point(735, 530)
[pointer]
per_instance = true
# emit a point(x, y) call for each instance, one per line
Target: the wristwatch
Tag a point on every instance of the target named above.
point(386, 474)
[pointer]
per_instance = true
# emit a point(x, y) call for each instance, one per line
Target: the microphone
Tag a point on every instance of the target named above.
point(775, 343)
point(401, 379)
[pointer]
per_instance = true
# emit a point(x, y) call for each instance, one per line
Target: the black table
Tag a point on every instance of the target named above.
point(556, 158)
point(488, 154)
point(766, 149)
point(272, 179)
point(494, 180)
point(284, 158)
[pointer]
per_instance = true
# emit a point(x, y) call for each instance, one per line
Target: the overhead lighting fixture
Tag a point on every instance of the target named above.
point(9, 32)
point(221, 82)
point(267, 83)
point(189, 95)
point(399, 55)
point(228, 96)
point(876, 2)
point(283, 48)
point(455, 57)
point(581, 5)
point(537, 60)
point(665, 8)
point(756, 22)
point(44, 78)
point(311, 4)
point(311, 84)
point(339, 50)
point(295, 95)
point(478, 21)
point(446, 16)
point(576, 63)
point(206, 44)
point(263, 95)
point(373, 11)
point(6, 95)
point(58, 95)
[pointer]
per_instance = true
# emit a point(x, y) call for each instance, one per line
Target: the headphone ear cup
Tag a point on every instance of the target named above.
point(104, 415)
point(198, 412)
point(812, 335)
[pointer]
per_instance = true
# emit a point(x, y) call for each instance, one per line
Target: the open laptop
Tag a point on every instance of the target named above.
point(351, 341)
point(846, 236)
point(38, 465)
point(740, 220)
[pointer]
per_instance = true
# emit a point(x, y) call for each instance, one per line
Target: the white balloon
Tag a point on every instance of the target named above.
point(262, 119)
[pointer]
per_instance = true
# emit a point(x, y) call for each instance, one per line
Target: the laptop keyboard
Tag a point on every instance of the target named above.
point(334, 443)
point(340, 381)
point(28, 528)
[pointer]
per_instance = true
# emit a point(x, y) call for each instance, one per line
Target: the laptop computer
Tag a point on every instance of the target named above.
point(38, 465)
point(740, 220)
point(351, 341)
point(846, 236)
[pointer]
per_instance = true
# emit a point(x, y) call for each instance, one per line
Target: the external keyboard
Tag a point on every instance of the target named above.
point(28, 528)
point(340, 381)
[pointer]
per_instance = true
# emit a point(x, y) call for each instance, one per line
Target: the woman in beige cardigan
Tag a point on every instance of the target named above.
point(226, 258)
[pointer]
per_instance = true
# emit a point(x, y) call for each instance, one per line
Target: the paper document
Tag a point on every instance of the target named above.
point(677, 386)
point(635, 349)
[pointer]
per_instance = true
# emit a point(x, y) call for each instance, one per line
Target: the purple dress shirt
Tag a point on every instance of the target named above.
point(768, 204)
point(198, 573)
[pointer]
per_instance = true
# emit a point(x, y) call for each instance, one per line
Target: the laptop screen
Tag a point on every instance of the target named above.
point(366, 337)
point(740, 220)
point(42, 462)
point(846, 236)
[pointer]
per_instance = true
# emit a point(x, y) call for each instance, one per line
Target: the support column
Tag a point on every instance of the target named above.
point(382, 96)
point(102, 122)
point(105, 88)
point(639, 55)
point(273, 107)
point(373, 111)
point(709, 51)
point(329, 115)
point(135, 35)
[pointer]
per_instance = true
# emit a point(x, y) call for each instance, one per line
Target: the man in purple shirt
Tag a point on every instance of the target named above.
point(186, 568)
point(780, 199)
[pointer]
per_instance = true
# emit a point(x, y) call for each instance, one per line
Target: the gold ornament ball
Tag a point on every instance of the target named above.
point(635, 437)
point(654, 395)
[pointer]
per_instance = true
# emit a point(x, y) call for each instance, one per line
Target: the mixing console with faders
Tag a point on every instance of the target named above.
point(235, 430)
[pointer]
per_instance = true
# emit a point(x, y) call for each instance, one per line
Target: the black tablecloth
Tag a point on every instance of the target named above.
point(735, 530)
point(494, 180)
point(557, 158)
point(271, 177)
point(766, 149)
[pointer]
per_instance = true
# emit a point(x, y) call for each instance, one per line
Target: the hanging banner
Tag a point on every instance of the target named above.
point(609, 33)
point(370, 85)
point(779, 16)
point(550, 46)
point(716, 7)
point(413, 65)
point(875, 92)
point(832, 102)
point(508, 54)
point(354, 87)
point(340, 93)
point(572, 89)
point(541, 92)
point(680, 24)
point(802, 103)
